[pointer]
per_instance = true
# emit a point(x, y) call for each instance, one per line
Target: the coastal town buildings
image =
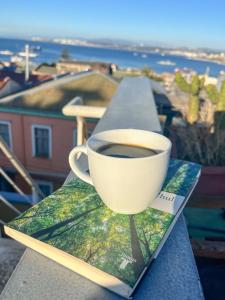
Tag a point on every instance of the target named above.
point(68, 66)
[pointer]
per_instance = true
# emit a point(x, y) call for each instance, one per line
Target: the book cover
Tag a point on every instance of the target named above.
point(73, 227)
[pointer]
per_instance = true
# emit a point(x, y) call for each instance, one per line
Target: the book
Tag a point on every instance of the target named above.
point(73, 227)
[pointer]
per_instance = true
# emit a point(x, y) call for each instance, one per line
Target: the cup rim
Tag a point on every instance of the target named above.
point(135, 158)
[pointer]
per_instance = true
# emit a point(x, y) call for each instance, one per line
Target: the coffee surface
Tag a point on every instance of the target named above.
point(126, 151)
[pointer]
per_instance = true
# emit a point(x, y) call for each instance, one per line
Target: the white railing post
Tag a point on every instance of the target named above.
point(77, 109)
point(80, 130)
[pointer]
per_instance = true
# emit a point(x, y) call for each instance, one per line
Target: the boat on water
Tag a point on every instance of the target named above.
point(6, 52)
point(144, 55)
point(31, 54)
point(166, 63)
point(135, 54)
point(16, 59)
point(36, 48)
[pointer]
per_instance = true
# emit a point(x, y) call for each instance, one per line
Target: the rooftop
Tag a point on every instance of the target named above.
point(85, 62)
point(94, 88)
point(20, 77)
point(46, 69)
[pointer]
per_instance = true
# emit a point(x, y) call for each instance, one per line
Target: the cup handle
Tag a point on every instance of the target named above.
point(74, 164)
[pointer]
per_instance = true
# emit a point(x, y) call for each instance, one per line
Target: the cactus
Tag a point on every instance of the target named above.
point(221, 102)
point(217, 98)
point(193, 89)
point(182, 83)
point(212, 93)
point(193, 109)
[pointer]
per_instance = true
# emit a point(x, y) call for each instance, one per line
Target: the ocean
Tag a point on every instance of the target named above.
point(50, 52)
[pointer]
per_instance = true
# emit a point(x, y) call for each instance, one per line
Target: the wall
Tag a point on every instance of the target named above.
point(17, 137)
point(54, 169)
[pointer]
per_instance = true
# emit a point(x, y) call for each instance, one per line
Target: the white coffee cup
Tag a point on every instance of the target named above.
point(125, 185)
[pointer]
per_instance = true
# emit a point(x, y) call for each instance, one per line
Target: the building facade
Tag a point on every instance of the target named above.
point(42, 144)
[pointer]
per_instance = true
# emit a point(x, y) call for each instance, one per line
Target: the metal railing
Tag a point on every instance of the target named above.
point(36, 192)
point(10, 205)
point(15, 186)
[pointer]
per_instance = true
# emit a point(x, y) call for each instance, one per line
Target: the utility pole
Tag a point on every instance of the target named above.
point(27, 63)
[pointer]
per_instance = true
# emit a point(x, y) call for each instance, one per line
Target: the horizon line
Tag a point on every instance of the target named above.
point(145, 43)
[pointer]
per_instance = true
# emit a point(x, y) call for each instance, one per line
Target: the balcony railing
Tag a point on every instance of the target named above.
point(35, 191)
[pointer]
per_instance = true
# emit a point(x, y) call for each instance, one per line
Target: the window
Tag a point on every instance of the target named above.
point(41, 141)
point(5, 132)
point(46, 187)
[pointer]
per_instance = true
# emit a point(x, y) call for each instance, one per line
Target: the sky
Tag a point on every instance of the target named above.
point(192, 23)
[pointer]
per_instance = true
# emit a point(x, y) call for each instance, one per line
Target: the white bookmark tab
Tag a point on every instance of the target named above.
point(168, 202)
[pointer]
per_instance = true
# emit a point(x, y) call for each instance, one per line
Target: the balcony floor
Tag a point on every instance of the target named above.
point(10, 253)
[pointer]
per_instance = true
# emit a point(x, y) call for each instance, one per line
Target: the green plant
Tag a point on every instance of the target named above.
point(217, 97)
point(199, 144)
point(146, 71)
point(212, 93)
point(182, 83)
point(193, 89)
point(221, 102)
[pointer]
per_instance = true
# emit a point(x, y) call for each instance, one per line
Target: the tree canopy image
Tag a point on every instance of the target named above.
point(75, 220)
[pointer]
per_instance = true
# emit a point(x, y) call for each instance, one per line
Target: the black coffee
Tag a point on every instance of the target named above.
point(126, 151)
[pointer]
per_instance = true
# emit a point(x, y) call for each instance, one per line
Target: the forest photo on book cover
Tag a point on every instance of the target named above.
point(75, 220)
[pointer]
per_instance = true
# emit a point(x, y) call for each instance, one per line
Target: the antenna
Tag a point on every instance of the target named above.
point(27, 73)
